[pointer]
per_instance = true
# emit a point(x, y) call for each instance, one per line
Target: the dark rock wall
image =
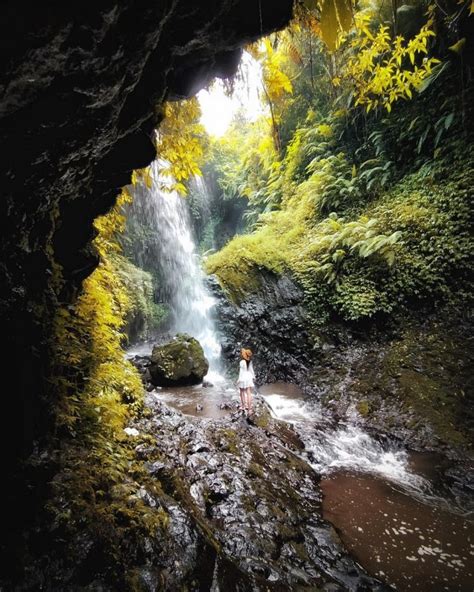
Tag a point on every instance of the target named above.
point(410, 377)
point(412, 380)
point(272, 322)
point(82, 86)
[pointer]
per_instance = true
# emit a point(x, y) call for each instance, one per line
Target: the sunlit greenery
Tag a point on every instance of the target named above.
point(369, 213)
point(357, 183)
point(99, 391)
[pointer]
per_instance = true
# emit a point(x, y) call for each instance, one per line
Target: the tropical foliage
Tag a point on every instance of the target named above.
point(365, 201)
point(180, 145)
point(96, 488)
point(180, 141)
point(383, 69)
point(357, 183)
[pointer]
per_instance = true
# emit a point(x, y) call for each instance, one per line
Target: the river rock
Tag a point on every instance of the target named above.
point(180, 362)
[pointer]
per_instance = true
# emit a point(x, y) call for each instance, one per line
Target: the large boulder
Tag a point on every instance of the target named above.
point(180, 362)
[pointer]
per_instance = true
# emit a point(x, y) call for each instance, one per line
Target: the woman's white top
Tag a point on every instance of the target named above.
point(246, 375)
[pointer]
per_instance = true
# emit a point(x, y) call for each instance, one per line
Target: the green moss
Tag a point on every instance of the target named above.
point(363, 408)
point(228, 440)
point(410, 246)
point(431, 370)
point(239, 264)
point(144, 316)
point(262, 420)
point(180, 359)
point(255, 470)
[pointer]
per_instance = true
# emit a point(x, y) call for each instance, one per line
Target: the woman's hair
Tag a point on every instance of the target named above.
point(246, 354)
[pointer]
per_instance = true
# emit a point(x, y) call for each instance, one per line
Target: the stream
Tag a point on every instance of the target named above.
point(381, 499)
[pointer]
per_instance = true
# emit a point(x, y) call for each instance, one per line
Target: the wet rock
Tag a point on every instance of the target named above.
point(264, 323)
point(178, 363)
point(411, 382)
point(81, 97)
point(243, 485)
point(146, 376)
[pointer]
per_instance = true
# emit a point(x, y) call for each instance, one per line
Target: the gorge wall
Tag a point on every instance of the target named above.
point(409, 376)
point(82, 88)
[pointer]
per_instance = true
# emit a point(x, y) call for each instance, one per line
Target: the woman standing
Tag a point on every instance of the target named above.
point(245, 381)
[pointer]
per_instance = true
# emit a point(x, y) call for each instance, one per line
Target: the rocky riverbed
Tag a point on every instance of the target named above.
point(250, 501)
point(244, 508)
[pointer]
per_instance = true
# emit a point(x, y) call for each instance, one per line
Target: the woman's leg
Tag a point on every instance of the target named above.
point(249, 399)
point(242, 399)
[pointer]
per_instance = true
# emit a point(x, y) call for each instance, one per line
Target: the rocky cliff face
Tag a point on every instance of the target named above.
point(272, 322)
point(82, 87)
point(409, 378)
point(411, 381)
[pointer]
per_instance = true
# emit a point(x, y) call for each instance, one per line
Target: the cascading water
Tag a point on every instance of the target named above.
point(181, 278)
point(343, 447)
point(327, 448)
point(201, 193)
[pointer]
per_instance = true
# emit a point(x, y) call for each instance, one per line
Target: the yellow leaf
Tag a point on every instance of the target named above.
point(459, 45)
point(329, 24)
point(344, 14)
point(336, 18)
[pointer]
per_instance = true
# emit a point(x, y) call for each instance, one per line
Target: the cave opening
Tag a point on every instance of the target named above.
point(235, 293)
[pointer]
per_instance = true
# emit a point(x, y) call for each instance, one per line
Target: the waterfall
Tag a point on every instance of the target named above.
point(181, 278)
point(200, 189)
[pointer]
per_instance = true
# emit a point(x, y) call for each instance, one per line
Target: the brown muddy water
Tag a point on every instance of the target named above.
point(222, 398)
point(378, 497)
point(213, 402)
point(405, 543)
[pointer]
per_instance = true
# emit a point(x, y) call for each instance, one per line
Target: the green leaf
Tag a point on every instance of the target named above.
point(458, 46)
point(449, 120)
point(438, 136)
point(422, 139)
point(435, 73)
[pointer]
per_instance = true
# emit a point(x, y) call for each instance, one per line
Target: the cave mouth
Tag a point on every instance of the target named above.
point(82, 94)
point(102, 457)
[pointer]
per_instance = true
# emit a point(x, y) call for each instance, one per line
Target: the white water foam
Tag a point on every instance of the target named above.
point(351, 448)
point(345, 447)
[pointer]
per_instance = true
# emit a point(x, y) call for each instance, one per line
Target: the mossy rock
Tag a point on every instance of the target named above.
point(363, 408)
point(180, 362)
